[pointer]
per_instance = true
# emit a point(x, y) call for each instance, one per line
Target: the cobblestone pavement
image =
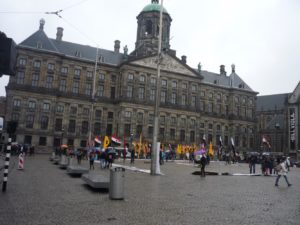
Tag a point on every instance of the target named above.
point(43, 194)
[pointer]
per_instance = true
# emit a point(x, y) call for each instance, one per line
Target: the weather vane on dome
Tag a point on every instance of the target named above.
point(155, 1)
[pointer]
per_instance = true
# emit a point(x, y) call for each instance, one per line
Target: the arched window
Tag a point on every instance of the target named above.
point(148, 27)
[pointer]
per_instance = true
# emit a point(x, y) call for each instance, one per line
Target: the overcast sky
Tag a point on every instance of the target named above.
point(261, 37)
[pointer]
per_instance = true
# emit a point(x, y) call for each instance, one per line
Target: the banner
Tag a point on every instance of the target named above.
point(292, 129)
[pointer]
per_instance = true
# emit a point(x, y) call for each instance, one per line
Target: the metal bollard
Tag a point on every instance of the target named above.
point(6, 165)
point(116, 185)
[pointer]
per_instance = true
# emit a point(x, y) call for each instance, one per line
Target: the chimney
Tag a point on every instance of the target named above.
point(232, 68)
point(183, 59)
point(42, 23)
point(117, 46)
point(222, 70)
point(59, 33)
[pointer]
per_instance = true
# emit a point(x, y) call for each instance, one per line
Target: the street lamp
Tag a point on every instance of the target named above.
point(277, 127)
point(155, 148)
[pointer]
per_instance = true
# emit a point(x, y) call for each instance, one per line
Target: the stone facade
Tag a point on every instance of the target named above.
point(53, 100)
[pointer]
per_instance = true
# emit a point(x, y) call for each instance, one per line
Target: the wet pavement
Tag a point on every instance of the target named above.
point(44, 194)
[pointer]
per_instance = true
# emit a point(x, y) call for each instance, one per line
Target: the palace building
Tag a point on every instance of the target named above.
point(63, 90)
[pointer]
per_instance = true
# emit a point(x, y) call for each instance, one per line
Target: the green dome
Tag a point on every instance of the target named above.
point(153, 7)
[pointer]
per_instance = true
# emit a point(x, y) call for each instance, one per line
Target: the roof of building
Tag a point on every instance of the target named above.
point(70, 49)
point(271, 102)
point(39, 40)
point(233, 80)
point(153, 7)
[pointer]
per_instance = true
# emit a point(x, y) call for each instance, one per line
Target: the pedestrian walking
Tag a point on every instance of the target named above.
point(282, 171)
point(202, 164)
point(92, 159)
point(132, 156)
point(252, 163)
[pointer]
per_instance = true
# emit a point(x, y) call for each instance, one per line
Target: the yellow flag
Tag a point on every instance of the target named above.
point(211, 151)
point(106, 142)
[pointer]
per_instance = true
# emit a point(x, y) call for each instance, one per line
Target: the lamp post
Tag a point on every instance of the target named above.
point(277, 127)
point(155, 148)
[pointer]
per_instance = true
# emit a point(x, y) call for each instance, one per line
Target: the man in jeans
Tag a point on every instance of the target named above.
point(252, 163)
point(283, 171)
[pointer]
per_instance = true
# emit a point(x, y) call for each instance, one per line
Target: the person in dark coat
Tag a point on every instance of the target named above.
point(252, 163)
point(202, 164)
point(132, 156)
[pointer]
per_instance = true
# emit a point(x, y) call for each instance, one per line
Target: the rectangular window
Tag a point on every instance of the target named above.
point(183, 99)
point(58, 124)
point(152, 94)
point(15, 117)
point(73, 110)
point(153, 81)
point(150, 131)
point(77, 73)
point(88, 89)
point(75, 89)
point(43, 141)
point(210, 107)
point(100, 91)
point(193, 101)
point(161, 133)
point(172, 134)
point(151, 118)
point(50, 66)
point(85, 111)
point(162, 119)
point(163, 96)
point(62, 85)
point(97, 128)
point(127, 114)
point(112, 92)
point(192, 136)
point(98, 114)
point(141, 93)
point(184, 85)
point(174, 84)
point(37, 64)
point(173, 98)
point(72, 126)
point(130, 77)
point(44, 122)
point(129, 91)
point(182, 135)
point(46, 107)
point(60, 108)
point(49, 81)
point(139, 130)
point(194, 87)
point(29, 121)
point(64, 70)
point(173, 121)
point(16, 103)
point(142, 78)
point(22, 62)
point(20, 77)
point(164, 83)
point(127, 130)
point(218, 108)
point(31, 105)
point(101, 77)
point(84, 127)
point(110, 115)
point(140, 117)
point(89, 75)
point(35, 80)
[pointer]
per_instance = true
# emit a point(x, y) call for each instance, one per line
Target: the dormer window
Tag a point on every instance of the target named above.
point(78, 54)
point(39, 44)
point(241, 85)
point(37, 64)
point(101, 58)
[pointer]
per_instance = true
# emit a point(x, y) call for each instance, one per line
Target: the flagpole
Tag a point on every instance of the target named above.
point(93, 98)
point(154, 150)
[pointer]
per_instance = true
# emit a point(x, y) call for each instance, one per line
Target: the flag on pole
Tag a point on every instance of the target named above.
point(98, 139)
point(233, 146)
point(106, 142)
point(115, 139)
point(211, 151)
point(204, 140)
point(265, 141)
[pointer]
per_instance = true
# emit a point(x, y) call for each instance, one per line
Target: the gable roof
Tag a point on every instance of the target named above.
point(271, 102)
point(231, 81)
point(70, 49)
